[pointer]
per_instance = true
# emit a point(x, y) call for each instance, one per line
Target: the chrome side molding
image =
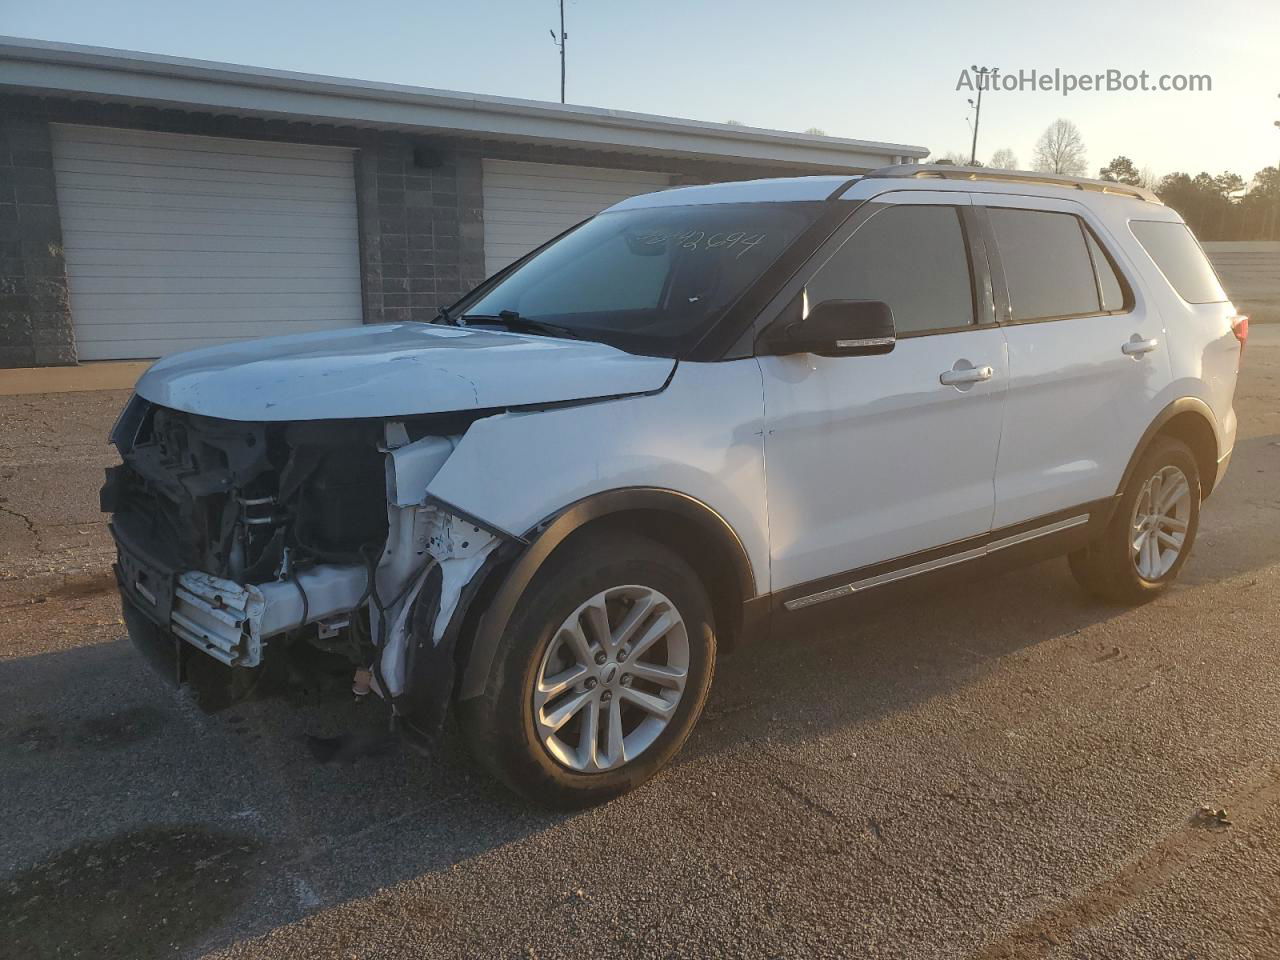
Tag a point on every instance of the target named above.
point(938, 563)
point(866, 342)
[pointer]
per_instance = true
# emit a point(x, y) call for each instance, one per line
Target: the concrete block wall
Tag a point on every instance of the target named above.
point(422, 240)
point(35, 320)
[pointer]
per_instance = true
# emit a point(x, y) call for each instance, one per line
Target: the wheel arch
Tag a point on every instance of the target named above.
point(683, 523)
point(1191, 421)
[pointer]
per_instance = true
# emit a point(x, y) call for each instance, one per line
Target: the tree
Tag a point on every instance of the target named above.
point(1229, 183)
point(1121, 170)
point(1217, 208)
point(1260, 207)
point(1267, 182)
point(1060, 149)
point(1203, 202)
point(1004, 159)
point(816, 131)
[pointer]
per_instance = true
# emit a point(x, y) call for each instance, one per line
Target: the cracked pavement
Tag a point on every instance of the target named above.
point(1002, 769)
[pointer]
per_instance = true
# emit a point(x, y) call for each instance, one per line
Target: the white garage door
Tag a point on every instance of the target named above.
point(174, 241)
point(526, 204)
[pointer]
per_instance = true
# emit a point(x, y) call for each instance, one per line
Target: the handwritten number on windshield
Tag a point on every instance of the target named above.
point(738, 242)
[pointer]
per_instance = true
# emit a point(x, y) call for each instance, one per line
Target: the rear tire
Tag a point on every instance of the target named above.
point(1151, 532)
point(581, 704)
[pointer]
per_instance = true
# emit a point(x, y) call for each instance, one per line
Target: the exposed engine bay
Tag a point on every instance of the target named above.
point(293, 550)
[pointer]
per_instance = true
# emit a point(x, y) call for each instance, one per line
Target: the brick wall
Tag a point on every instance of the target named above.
point(420, 201)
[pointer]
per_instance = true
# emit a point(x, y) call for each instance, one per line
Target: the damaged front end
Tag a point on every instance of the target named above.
point(256, 558)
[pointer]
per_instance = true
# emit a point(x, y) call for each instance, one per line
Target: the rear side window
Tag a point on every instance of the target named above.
point(914, 258)
point(1046, 264)
point(1180, 259)
point(1110, 286)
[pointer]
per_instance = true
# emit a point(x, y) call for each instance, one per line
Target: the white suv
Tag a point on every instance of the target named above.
point(701, 416)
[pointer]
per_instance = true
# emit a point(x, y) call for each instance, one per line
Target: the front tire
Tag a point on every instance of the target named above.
point(605, 668)
point(1152, 531)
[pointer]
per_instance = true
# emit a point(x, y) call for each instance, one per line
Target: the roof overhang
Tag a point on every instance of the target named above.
point(116, 76)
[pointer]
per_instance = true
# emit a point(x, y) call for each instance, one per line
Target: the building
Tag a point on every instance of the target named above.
point(149, 204)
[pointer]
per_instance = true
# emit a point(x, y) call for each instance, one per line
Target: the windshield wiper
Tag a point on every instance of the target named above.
point(518, 324)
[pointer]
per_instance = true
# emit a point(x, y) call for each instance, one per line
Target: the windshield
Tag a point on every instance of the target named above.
point(652, 280)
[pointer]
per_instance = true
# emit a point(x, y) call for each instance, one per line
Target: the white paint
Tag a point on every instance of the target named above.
point(393, 370)
point(411, 467)
point(868, 458)
point(175, 241)
point(701, 436)
point(526, 204)
point(395, 642)
point(871, 458)
point(1077, 404)
point(422, 538)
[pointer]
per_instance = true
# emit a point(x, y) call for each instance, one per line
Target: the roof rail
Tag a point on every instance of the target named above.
point(946, 171)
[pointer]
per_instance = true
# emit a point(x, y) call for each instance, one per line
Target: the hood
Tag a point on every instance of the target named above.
point(393, 370)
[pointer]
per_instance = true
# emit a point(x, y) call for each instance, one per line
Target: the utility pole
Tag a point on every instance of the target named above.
point(977, 111)
point(1275, 212)
point(559, 42)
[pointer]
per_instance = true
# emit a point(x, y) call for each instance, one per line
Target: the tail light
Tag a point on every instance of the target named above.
point(1240, 327)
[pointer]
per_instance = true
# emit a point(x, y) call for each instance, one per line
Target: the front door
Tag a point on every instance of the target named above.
point(873, 458)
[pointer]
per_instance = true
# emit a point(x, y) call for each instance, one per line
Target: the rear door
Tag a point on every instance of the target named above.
point(875, 458)
point(1087, 356)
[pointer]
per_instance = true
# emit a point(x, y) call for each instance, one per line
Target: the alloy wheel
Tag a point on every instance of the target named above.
point(1161, 515)
point(611, 678)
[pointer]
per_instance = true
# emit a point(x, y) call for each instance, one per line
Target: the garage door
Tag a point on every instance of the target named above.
point(175, 241)
point(526, 204)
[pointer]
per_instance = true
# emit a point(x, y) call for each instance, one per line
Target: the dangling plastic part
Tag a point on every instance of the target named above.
point(361, 682)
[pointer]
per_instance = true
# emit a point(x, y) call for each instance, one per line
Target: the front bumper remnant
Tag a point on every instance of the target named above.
point(222, 618)
point(230, 621)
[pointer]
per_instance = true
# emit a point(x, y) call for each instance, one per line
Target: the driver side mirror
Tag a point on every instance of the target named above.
point(835, 328)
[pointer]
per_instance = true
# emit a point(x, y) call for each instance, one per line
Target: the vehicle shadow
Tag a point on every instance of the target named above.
point(147, 827)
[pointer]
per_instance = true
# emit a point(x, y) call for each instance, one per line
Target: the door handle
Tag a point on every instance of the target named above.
point(1136, 346)
point(962, 375)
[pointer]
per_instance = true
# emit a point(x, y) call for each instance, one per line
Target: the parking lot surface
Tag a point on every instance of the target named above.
point(1001, 769)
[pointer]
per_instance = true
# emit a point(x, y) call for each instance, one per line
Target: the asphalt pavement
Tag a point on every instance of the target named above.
point(1001, 769)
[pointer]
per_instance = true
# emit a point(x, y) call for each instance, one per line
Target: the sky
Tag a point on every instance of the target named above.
point(873, 71)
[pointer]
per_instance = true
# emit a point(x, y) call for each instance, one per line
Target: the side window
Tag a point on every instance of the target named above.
point(1180, 259)
point(1109, 283)
point(914, 258)
point(1046, 264)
